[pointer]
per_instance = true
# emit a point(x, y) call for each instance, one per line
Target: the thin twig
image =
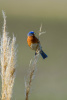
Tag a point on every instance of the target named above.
point(32, 65)
point(28, 84)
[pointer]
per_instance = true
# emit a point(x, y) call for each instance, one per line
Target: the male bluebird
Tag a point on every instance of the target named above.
point(34, 44)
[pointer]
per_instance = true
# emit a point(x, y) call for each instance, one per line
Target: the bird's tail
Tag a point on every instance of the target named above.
point(43, 54)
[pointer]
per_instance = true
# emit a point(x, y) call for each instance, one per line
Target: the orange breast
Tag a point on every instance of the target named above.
point(32, 39)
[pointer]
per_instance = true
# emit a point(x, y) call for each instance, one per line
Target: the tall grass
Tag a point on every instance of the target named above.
point(8, 62)
point(32, 69)
point(30, 77)
point(8, 55)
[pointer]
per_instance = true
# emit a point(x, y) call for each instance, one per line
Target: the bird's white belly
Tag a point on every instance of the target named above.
point(34, 46)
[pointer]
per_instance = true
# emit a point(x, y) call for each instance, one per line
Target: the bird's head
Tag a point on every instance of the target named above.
point(31, 33)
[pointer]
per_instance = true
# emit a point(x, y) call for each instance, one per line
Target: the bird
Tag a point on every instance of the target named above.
point(34, 44)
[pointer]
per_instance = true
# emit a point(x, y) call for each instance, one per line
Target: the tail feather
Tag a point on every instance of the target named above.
point(43, 54)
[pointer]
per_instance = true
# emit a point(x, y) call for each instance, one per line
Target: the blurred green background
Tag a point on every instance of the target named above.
point(50, 81)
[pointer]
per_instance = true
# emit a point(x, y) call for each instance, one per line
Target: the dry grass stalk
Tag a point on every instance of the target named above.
point(32, 70)
point(40, 31)
point(7, 63)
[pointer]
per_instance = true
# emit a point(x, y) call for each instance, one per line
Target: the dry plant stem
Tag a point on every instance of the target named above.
point(28, 85)
point(7, 63)
point(32, 69)
point(30, 81)
point(3, 58)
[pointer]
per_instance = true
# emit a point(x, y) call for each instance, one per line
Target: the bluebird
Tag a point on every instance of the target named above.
point(34, 44)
